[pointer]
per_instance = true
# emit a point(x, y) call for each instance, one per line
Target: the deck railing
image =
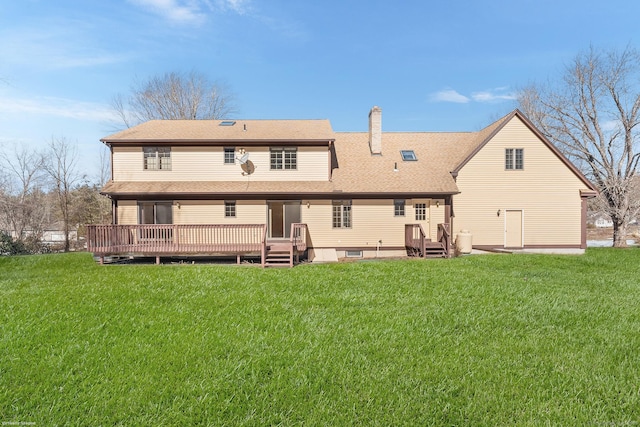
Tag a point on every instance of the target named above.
point(299, 236)
point(415, 239)
point(175, 239)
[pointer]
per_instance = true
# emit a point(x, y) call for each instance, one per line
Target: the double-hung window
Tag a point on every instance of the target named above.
point(341, 213)
point(284, 158)
point(398, 207)
point(514, 158)
point(230, 209)
point(229, 155)
point(157, 158)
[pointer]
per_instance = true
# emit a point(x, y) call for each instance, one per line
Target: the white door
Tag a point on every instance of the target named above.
point(513, 228)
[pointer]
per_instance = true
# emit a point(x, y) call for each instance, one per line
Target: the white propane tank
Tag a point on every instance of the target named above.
point(463, 242)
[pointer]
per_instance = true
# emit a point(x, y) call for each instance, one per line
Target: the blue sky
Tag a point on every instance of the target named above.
point(431, 65)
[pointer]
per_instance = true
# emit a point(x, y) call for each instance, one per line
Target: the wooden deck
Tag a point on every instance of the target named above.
point(143, 240)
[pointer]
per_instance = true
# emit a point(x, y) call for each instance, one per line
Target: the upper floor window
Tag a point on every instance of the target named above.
point(229, 155)
point(284, 158)
point(157, 158)
point(398, 207)
point(514, 158)
point(341, 213)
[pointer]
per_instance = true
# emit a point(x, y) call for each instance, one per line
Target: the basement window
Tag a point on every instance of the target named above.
point(353, 254)
point(408, 155)
point(227, 123)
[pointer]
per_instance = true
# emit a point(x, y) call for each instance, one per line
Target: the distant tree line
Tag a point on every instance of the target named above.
point(39, 189)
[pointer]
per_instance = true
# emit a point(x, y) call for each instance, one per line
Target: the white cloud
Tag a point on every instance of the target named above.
point(57, 107)
point(176, 11)
point(239, 6)
point(56, 47)
point(493, 95)
point(449, 95)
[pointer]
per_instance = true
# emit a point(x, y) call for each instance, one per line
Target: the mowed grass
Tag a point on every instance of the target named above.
point(480, 340)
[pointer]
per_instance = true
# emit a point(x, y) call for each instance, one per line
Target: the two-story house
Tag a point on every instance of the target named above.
point(282, 187)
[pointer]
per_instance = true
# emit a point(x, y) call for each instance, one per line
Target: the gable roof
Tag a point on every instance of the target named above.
point(486, 134)
point(208, 131)
point(356, 172)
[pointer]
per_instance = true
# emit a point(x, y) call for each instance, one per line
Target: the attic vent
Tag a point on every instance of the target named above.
point(408, 155)
point(227, 123)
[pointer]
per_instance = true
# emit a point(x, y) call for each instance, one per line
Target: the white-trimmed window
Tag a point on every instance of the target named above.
point(157, 158)
point(230, 209)
point(398, 207)
point(514, 158)
point(229, 155)
point(421, 211)
point(341, 213)
point(284, 158)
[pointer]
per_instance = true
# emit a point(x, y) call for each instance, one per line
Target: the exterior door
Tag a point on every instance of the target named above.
point(281, 216)
point(513, 229)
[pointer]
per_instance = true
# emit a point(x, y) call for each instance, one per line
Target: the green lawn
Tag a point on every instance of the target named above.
point(480, 340)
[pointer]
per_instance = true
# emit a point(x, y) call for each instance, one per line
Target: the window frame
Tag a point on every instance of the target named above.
point(408, 156)
point(341, 214)
point(514, 159)
point(229, 155)
point(283, 158)
point(161, 156)
point(399, 207)
point(141, 211)
point(420, 210)
point(230, 209)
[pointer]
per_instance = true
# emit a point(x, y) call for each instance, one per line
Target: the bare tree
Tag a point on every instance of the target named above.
point(60, 164)
point(592, 116)
point(22, 202)
point(174, 96)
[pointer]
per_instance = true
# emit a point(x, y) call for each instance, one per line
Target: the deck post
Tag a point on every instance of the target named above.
point(238, 259)
point(157, 259)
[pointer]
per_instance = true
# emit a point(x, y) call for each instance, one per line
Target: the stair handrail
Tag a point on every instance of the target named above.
point(444, 237)
point(263, 247)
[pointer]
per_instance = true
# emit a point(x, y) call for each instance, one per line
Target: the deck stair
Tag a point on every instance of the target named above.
point(418, 244)
point(434, 250)
point(279, 254)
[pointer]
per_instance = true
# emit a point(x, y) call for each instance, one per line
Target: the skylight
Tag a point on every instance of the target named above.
point(227, 123)
point(408, 155)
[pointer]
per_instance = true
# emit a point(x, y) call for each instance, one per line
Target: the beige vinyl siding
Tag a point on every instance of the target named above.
point(546, 190)
point(372, 221)
point(127, 212)
point(201, 212)
point(207, 164)
point(212, 212)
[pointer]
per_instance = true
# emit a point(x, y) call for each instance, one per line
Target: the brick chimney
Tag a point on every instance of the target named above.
point(375, 130)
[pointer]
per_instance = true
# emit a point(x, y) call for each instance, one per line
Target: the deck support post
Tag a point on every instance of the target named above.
point(102, 260)
point(158, 259)
point(238, 259)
